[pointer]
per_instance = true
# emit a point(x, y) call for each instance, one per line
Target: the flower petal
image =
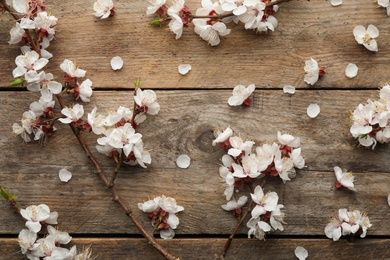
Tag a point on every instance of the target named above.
point(351, 70)
point(301, 253)
point(289, 89)
point(336, 2)
point(372, 31)
point(65, 175)
point(313, 110)
point(183, 161)
point(116, 63)
point(184, 68)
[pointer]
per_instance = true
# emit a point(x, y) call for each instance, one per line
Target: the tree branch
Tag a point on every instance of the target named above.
point(230, 239)
point(116, 197)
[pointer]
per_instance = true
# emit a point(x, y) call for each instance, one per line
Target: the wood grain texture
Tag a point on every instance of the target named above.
point(184, 125)
point(306, 29)
point(132, 248)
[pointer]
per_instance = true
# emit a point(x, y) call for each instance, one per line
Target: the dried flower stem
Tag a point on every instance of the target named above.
point(116, 171)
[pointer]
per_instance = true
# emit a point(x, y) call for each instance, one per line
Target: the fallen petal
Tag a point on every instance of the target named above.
point(183, 161)
point(388, 199)
point(351, 70)
point(116, 63)
point(289, 89)
point(313, 110)
point(336, 2)
point(301, 253)
point(184, 68)
point(65, 175)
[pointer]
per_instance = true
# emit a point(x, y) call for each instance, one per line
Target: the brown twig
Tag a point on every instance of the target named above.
point(230, 239)
point(116, 197)
point(116, 171)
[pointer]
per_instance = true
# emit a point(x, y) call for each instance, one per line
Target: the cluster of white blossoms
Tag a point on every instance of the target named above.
point(210, 20)
point(49, 246)
point(242, 167)
point(35, 18)
point(118, 129)
point(371, 122)
point(347, 223)
point(266, 215)
point(162, 211)
point(39, 119)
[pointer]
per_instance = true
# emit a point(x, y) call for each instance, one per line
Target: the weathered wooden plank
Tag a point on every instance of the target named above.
point(131, 248)
point(306, 29)
point(184, 126)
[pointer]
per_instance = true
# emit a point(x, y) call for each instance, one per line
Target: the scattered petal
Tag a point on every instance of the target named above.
point(301, 253)
point(336, 2)
point(116, 63)
point(388, 199)
point(65, 175)
point(289, 89)
point(184, 68)
point(313, 110)
point(351, 70)
point(183, 161)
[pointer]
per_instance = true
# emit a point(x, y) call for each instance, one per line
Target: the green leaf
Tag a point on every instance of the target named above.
point(5, 194)
point(17, 82)
point(137, 83)
point(156, 22)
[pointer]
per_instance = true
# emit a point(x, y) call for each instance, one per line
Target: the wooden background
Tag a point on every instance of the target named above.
point(191, 107)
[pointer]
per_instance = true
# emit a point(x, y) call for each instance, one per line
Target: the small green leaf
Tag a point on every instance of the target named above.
point(156, 22)
point(17, 82)
point(137, 83)
point(5, 194)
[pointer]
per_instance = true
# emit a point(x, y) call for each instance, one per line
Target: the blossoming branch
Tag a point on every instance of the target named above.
point(210, 20)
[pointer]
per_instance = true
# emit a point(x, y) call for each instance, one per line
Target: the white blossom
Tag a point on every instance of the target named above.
point(241, 94)
point(103, 8)
point(155, 5)
point(221, 137)
point(96, 122)
point(385, 4)
point(367, 37)
point(344, 178)
point(45, 23)
point(27, 62)
point(257, 228)
point(84, 90)
point(71, 69)
point(72, 114)
point(210, 32)
point(27, 240)
point(233, 204)
point(16, 34)
point(311, 71)
point(264, 202)
point(147, 101)
point(36, 214)
point(44, 83)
